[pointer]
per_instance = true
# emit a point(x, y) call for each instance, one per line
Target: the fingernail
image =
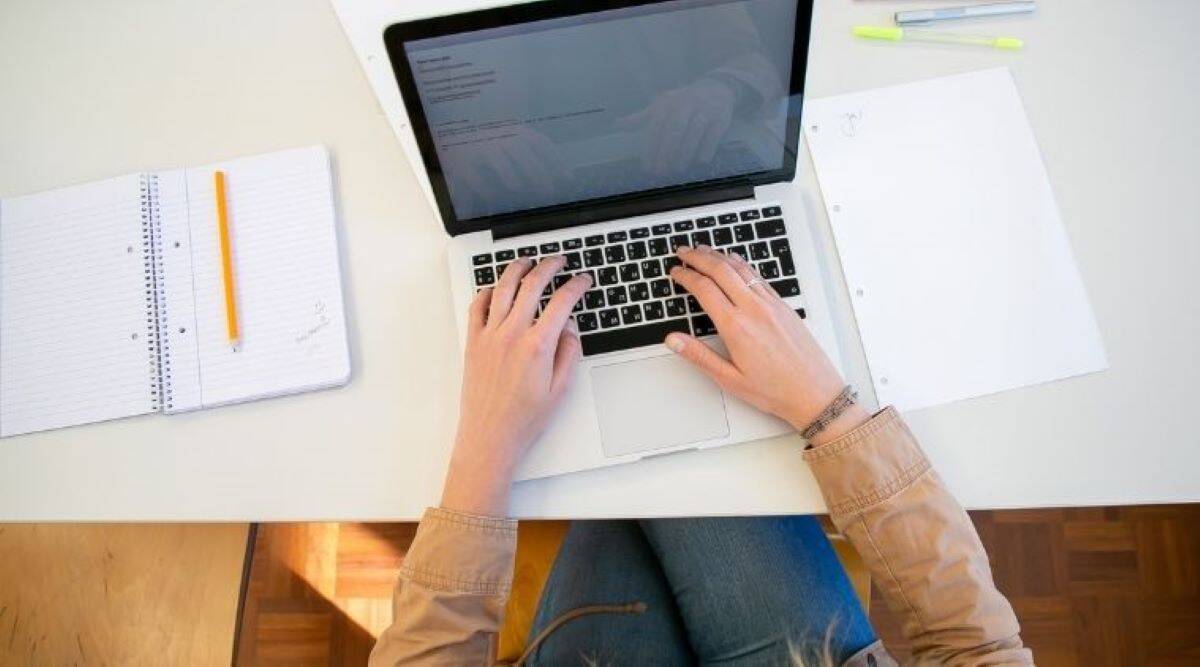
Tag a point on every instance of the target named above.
point(682, 249)
point(675, 342)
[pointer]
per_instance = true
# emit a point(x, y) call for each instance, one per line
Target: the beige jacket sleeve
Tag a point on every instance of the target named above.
point(449, 600)
point(921, 548)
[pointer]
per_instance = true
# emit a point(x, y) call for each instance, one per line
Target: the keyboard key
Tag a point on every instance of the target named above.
point(768, 228)
point(594, 240)
point(658, 247)
point(527, 251)
point(485, 276)
point(772, 212)
point(590, 272)
point(505, 255)
point(572, 244)
point(759, 251)
point(702, 325)
point(481, 260)
point(500, 269)
point(679, 289)
point(616, 295)
point(701, 238)
point(769, 270)
point(560, 280)
point(722, 237)
point(639, 292)
point(593, 257)
point(542, 304)
point(743, 233)
point(586, 322)
point(624, 339)
point(608, 319)
point(740, 250)
point(679, 241)
point(803, 315)
point(630, 273)
point(651, 268)
point(660, 230)
point(653, 310)
point(617, 237)
point(693, 304)
point(786, 287)
point(752, 214)
point(684, 226)
point(608, 275)
point(614, 254)
point(593, 299)
point(783, 251)
point(661, 288)
point(550, 248)
point(705, 223)
point(636, 250)
point(574, 262)
point(639, 233)
point(631, 314)
point(727, 218)
point(670, 263)
point(578, 307)
point(676, 307)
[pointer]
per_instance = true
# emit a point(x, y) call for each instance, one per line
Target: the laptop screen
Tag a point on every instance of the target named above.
point(542, 113)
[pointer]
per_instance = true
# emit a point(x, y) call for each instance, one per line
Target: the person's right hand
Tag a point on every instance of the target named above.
point(775, 363)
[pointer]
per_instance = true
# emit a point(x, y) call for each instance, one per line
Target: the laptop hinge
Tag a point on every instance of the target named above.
point(626, 208)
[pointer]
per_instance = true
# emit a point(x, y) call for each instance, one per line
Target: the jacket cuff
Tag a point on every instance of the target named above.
point(455, 552)
point(868, 465)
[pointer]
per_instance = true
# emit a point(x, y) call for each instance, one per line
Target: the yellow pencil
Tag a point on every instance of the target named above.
point(231, 320)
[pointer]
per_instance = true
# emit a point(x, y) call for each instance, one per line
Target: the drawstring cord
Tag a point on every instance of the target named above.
point(631, 608)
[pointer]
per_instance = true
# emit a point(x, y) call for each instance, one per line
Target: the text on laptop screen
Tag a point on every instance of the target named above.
point(564, 110)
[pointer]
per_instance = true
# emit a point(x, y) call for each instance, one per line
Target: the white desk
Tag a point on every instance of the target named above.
point(91, 91)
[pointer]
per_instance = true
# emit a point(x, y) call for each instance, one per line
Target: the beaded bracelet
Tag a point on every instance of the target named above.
point(840, 403)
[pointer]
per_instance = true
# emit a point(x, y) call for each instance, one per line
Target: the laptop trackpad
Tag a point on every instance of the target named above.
point(656, 403)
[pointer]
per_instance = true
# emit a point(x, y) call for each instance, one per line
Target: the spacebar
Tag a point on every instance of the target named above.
point(624, 339)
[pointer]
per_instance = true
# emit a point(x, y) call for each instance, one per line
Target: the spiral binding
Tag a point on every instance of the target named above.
point(157, 345)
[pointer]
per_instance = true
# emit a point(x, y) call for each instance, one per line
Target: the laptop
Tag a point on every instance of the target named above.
point(611, 133)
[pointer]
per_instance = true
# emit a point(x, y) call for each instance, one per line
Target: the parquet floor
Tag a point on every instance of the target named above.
point(1104, 586)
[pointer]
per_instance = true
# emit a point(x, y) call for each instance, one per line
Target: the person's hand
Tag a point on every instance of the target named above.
point(775, 363)
point(683, 127)
point(516, 371)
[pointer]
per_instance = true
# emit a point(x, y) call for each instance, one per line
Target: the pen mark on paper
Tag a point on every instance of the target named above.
point(320, 321)
point(851, 123)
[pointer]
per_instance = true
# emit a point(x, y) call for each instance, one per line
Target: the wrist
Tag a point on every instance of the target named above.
point(850, 419)
point(478, 479)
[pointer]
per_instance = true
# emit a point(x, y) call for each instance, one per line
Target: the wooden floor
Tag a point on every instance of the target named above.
point(1116, 586)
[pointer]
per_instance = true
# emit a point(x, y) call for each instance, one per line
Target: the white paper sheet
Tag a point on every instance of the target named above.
point(958, 265)
point(73, 331)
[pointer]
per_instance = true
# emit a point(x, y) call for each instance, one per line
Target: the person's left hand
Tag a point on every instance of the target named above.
point(516, 371)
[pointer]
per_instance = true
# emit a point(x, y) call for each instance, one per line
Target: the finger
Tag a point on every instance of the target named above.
point(558, 311)
point(711, 298)
point(748, 273)
point(566, 355)
point(532, 285)
point(506, 290)
point(716, 367)
point(477, 315)
point(717, 267)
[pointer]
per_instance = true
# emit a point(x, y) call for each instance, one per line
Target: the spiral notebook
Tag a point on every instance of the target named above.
point(112, 302)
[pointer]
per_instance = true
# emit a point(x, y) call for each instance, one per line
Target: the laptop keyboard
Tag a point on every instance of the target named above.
point(633, 302)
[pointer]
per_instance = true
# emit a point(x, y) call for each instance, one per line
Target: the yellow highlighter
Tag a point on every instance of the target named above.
point(894, 34)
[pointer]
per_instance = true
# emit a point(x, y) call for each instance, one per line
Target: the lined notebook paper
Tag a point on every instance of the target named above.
point(960, 271)
point(111, 301)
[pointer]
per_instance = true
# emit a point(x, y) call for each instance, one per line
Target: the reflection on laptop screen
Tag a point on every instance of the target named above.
point(563, 110)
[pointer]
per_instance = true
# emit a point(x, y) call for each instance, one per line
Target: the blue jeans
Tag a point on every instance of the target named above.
point(739, 591)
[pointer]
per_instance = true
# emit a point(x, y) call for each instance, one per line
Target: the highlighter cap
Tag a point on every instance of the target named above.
point(879, 32)
point(1009, 43)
